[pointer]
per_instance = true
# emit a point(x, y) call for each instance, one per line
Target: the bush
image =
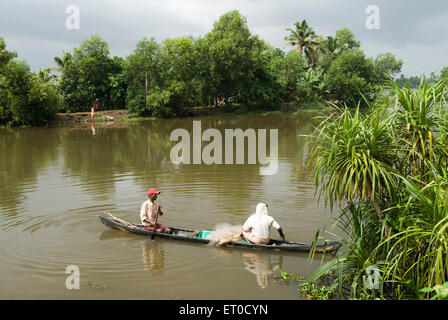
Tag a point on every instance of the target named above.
point(350, 77)
point(26, 98)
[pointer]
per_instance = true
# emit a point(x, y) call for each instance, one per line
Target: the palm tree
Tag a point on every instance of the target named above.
point(306, 41)
point(46, 76)
point(330, 48)
point(333, 46)
point(62, 62)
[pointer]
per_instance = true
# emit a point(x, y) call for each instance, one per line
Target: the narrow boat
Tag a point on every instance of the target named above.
point(195, 236)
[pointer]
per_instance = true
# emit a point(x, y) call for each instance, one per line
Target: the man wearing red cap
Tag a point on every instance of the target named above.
point(149, 212)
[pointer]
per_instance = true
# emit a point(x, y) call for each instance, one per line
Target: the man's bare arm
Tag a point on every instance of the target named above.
point(280, 231)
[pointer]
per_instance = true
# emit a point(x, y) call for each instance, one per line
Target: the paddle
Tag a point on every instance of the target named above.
point(155, 226)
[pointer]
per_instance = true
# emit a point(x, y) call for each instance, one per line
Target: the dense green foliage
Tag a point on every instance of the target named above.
point(89, 74)
point(229, 63)
point(233, 57)
point(141, 73)
point(26, 98)
point(332, 47)
point(350, 76)
point(414, 82)
point(444, 73)
point(389, 167)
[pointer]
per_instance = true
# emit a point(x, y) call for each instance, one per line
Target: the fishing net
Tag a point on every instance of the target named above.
point(223, 234)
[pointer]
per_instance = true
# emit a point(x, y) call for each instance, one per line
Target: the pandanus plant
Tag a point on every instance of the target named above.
point(355, 155)
point(391, 160)
point(420, 124)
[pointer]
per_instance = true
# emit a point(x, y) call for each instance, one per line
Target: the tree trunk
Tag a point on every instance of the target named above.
point(146, 88)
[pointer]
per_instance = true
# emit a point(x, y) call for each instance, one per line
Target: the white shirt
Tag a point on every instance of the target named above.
point(260, 224)
point(146, 212)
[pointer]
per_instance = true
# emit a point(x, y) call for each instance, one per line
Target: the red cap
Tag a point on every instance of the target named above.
point(153, 191)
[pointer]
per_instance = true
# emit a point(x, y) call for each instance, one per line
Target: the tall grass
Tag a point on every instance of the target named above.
point(389, 166)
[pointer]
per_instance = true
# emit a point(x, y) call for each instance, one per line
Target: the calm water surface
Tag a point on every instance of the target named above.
point(54, 182)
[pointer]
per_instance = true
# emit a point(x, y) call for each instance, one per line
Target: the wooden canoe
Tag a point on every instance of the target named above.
point(191, 236)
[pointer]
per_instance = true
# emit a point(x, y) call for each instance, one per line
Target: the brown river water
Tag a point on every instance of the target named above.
point(54, 182)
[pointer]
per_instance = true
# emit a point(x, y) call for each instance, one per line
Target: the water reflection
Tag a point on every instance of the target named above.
point(261, 265)
point(24, 155)
point(153, 257)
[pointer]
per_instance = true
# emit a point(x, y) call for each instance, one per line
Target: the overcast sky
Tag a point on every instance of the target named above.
point(415, 31)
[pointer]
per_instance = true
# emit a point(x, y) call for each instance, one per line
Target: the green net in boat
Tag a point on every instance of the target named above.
point(204, 234)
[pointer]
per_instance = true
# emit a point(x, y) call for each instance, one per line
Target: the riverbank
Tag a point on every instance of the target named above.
point(100, 116)
point(123, 115)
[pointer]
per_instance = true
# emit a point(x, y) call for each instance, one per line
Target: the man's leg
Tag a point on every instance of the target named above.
point(162, 228)
point(248, 236)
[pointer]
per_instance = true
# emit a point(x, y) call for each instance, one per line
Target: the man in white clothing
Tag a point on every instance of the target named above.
point(256, 227)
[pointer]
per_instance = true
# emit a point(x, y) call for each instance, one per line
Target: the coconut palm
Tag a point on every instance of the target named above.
point(306, 41)
point(333, 46)
point(46, 76)
point(330, 48)
point(62, 62)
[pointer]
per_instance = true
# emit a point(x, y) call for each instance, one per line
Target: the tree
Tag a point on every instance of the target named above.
point(345, 37)
point(413, 81)
point(232, 54)
point(310, 86)
point(180, 83)
point(46, 76)
point(62, 62)
point(331, 47)
point(116, 84)
point(343, 41)
point(351, 76)
point(86, 76)
point(5, 56)
point(292, 69)
point(267, 86)
point(25, 98)
point(142, 71)
point(444, 73)
point(386, 67)
point(306, 41)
